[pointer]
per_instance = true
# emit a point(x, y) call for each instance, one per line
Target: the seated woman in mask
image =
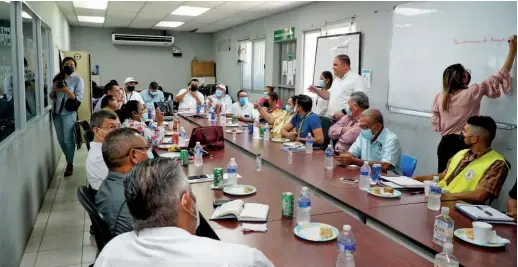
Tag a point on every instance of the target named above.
point(130, 116)
point(152, 95)
point(274, 115)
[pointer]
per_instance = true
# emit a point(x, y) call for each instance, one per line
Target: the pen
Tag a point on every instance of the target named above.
point(417, 193)
point(485, 211)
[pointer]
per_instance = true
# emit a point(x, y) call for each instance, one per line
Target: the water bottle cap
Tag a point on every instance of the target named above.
point(232, 159)
point(346, 227)
point(365, 162)
point(445, 210)
point(197, 143)
point(436, 178)
point(305, 188)
point(447, 247)
point(376, 165)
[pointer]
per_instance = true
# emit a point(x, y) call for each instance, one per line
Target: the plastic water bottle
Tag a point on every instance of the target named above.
point(443, 228)
point(290, 156)
point(304, 207)
point(232, 172)
point(435, 180)
point(266, 132)
point(258, 163)
point(434, 198)
point(198, 155)
point(309, 144)
point(365, 174)
point(181, 137)
point(446, 257)
point(346, 247)
point(328, 161)
point(149, 113)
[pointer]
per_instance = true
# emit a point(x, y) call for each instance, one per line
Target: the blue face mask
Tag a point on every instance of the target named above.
point(265, 94)
point(219, 93)
point(367, 134)
point(320, 84)
point(150, 154)
point(348, 110)
point(153, 93)
point(289, 109)
point(243, 100)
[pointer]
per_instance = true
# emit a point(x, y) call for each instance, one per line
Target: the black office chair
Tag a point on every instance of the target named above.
point(88, 133)
point(102, 232)
point(326, 123)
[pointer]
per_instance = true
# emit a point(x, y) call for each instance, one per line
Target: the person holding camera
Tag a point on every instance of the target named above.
point(190, 97)
point(67, 93)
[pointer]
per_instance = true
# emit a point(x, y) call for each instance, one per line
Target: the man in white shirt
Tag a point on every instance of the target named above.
point(345, 82)
point(111, 89)
point(242, 109)
point(189, 98)
point(129, 91)
point(102, 123)
point(165, 218)
point(220, 99)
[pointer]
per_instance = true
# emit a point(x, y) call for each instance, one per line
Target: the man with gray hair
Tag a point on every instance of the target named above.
point(376, 144)
point(102, 123)
point(345, 82)
point(347, 129)
point(165, 217)
point(122, 149)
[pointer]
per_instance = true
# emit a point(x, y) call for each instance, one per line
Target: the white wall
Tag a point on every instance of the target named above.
point(144, 63)
point(374, 20)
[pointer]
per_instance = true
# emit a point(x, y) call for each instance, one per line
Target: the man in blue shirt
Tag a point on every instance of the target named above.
point(304, 122)
point(152, 95)
point(376, 144)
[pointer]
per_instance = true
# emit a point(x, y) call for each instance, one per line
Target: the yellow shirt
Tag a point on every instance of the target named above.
point(281, 118)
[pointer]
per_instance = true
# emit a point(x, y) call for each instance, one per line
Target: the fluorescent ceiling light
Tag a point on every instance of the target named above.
point(169, 24)
point(190, 11)
point(26, 15)
point(90, 19)
point(93, 4)
point(414, 11)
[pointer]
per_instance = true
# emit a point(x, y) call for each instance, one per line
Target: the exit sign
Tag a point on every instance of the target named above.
point(284, 34)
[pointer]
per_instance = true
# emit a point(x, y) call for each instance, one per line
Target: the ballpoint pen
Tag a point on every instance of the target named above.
point(485, 211)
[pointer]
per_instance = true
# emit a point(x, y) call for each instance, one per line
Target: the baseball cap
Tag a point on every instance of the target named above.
point(130, 79)
point(221, 86)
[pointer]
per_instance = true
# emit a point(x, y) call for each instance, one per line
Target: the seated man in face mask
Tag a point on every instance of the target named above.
point(304, 122)
point(243, 110)
point(271, 112)
point(122, 149)
point(129, 91)
point(166, 217)
point(478, 173)
point(111, 89)
point(152, 95)
point(376, 144)
point(220, 99)
point(347, 129)
point(189, 98)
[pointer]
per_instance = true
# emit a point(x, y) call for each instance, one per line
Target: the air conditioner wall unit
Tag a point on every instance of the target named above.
point(142, 40)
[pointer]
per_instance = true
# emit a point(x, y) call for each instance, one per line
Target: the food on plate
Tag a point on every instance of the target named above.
point(326, 232)
point(248, 189)
point(174, 148)
point(469, 233)
point(388, 190)
point(376, 191)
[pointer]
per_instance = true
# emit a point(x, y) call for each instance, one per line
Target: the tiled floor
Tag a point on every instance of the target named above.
point(61, 234)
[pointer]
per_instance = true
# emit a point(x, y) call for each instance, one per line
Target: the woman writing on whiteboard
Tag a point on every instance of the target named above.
point(459, 100)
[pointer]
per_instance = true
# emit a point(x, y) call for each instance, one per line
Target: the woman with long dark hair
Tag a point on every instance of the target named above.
point(67, 93)
point(325, 82)
point(130, 116)
point(459, 100)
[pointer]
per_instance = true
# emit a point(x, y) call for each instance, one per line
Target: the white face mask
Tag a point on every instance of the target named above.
point(197, 216)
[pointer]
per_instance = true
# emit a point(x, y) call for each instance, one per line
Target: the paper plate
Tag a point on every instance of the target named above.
point(173, 155)
point(232, 125)
point(461, 234)
point(166, 146)
point(240, 190)
point(384, 195)
point(311, 232)
point(234, 130)
point(293, 144)
point(170, 132)
point(167, 140)
point(280, 140)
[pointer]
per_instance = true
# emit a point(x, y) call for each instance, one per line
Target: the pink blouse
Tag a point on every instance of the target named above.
point(466, 103)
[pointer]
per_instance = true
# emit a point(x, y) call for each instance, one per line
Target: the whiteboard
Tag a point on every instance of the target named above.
point(328, 47)
point(429, 36)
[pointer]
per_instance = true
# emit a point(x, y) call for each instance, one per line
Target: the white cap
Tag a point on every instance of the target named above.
point(445, 210)
point(447, 247)
point(130, 79)
point(221, 86)
point(346, 227)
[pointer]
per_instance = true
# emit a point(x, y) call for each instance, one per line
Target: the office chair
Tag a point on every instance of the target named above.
point(326, 124)
point(102, 232)
point(88, 133)
point(408, 165)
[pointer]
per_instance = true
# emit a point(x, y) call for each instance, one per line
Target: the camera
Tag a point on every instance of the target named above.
point(60, 84)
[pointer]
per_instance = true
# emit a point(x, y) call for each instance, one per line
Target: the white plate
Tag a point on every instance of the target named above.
point(280, 140)
point(311, 232)
point(232, 125)
point(170, 133)
point(293, 144)
point(232, 131)
point(239, 190)
point(396, 193)
point(165, 146)
point(461, 234)
point(173, 155)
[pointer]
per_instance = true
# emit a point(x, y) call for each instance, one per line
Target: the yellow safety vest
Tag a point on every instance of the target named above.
point(467, 180)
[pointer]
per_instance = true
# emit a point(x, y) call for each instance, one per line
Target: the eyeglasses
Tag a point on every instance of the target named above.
point(111, 128)
point(146, 148)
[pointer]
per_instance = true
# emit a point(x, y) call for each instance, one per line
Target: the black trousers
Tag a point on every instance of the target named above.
point(449, 146)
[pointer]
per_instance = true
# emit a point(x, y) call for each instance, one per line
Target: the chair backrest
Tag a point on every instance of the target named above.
point(100, 227)
point(491, 199)
point(326, 123)
point(87, 131)
point(408, 164)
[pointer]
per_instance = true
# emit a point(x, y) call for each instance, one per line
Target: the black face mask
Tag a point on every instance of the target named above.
point(131, 88)
point(68, 70)
point(266, 104)
point(194, 88)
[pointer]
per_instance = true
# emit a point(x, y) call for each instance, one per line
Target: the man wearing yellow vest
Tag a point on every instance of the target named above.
point(475, 174)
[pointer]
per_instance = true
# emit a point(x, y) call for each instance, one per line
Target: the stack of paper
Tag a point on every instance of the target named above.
point(484, 213)
point(404, 181)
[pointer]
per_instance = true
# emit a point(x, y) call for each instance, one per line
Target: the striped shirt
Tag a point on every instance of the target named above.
point(347, 138)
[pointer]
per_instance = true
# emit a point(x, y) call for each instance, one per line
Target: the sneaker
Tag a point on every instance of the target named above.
point(69, 170)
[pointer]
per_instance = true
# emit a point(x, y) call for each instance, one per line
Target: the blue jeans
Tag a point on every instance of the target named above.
point(65, 127)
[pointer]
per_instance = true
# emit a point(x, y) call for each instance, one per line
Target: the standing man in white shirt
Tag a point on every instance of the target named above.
point(243, 109)
point(189, 98)
point(102, 123)
point(129, 91)
point(165, 218)
point(344, 83)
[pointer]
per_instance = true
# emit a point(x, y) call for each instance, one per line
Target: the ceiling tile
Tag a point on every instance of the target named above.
point(90, 12)
point(65, 6)
point(86, 24)
point(116, 24)
point(112, 20)
point(141, 23)
point(241, 5)
point(179, 18)
point(125, 5)
point(160, 6)
point(121, 14)
point(209, 4)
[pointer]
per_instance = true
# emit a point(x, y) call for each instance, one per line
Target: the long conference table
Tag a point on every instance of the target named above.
point(389, 232)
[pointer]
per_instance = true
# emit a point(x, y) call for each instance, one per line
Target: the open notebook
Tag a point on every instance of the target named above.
point(237, 209)
point(484, 213)
point(400, 182)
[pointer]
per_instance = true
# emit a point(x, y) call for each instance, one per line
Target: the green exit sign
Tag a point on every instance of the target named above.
point(284, 34)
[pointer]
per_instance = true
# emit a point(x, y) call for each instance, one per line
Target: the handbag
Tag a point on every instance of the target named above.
point(210, 138)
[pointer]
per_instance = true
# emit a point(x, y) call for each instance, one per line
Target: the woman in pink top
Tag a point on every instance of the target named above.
point(459, 101)
point(267, 90)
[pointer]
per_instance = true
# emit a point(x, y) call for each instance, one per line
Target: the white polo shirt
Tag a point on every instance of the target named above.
point(247, 109)
point(133, 96)
point(96, 170)
point(188, 103)
point(341, 90)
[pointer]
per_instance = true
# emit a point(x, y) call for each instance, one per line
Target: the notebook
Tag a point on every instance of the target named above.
point(243, 212)
point(484, 213)
point(403, 181)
